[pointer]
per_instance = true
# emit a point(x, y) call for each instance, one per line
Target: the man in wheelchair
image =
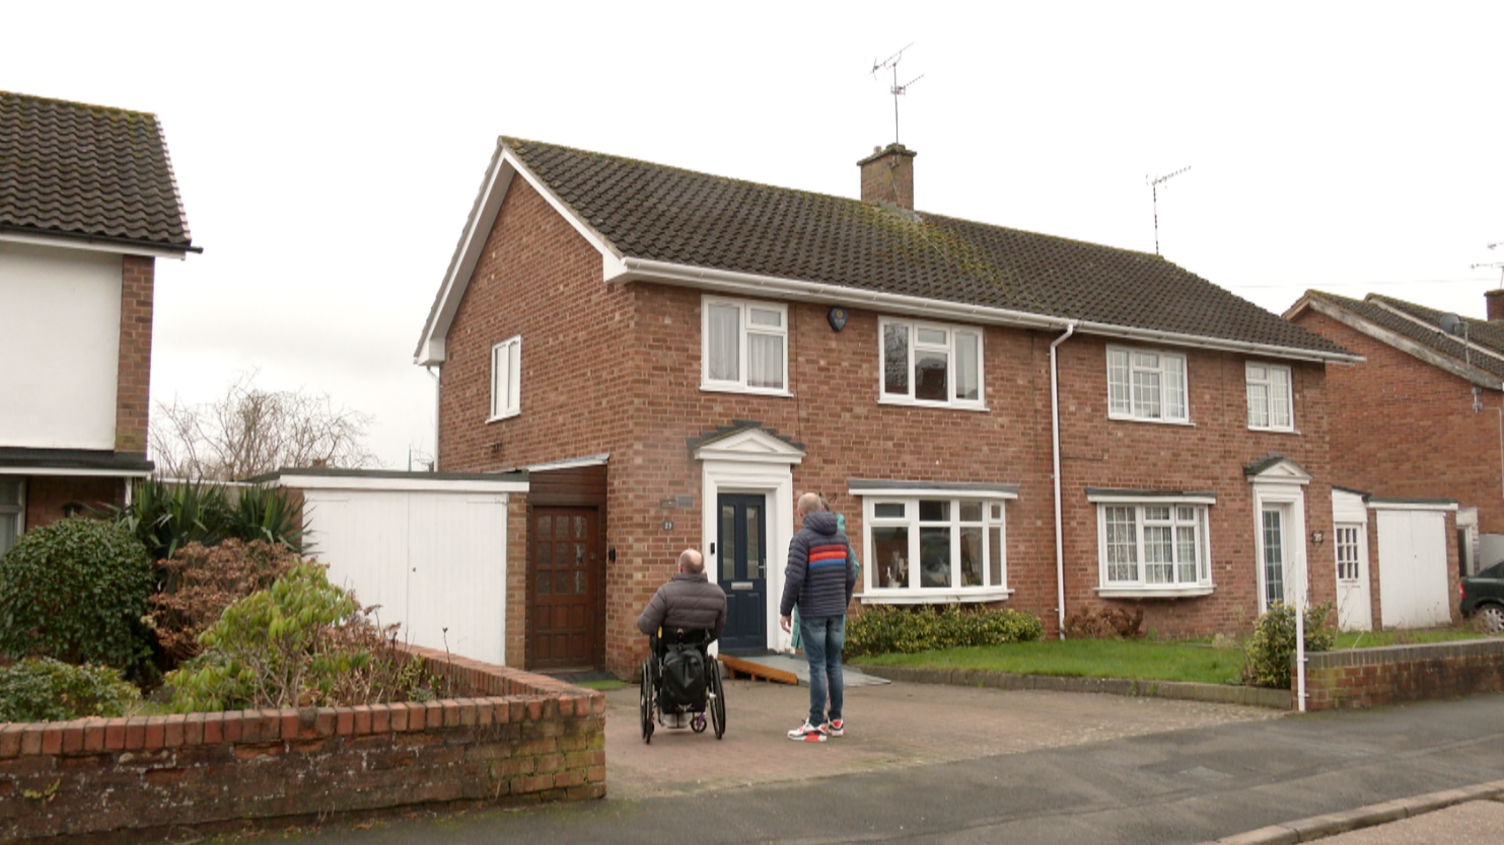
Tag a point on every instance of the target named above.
point(680, 681)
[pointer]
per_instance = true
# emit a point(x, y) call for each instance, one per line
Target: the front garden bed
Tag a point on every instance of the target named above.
point(510, 737)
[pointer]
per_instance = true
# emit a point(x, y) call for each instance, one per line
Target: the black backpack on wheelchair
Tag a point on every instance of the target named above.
point(681, 684)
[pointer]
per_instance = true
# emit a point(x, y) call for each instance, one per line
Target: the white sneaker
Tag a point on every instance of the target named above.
point(807, 733)
point(835, 727)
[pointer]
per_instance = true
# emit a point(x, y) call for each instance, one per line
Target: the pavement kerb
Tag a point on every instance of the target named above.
point(1182, 690)
point(1331, 824)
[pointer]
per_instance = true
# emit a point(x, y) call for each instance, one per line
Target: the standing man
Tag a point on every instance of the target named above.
point(820, 579)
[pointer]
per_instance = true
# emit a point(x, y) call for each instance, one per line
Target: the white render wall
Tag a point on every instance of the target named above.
point(60, 319)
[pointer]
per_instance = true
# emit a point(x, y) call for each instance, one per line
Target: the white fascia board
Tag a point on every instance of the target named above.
point(1402, 505)
point(400, 485)
point(1126, 498)
point(1419, 323)
point(900, 491)
point(629, 269)
point(505, 165)
point(89, 245)
point(70, 471)
point(571, 463)
point(1403, 344)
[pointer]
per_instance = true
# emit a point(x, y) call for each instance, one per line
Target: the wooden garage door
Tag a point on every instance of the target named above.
point(561, 630)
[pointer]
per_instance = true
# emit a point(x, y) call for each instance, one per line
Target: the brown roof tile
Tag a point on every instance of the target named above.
point(662, 213)
point(1423, 325)
point(76, 170)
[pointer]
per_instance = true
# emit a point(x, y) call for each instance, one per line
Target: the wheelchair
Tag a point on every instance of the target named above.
point(657, 708)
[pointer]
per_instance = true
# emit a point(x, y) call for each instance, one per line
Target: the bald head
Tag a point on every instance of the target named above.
point(809, 503)
point(691, 561)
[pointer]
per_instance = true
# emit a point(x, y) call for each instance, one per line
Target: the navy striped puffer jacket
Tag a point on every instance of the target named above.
point(821, 574)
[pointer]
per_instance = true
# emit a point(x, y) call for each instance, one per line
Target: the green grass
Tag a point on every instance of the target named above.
point(1377, 639)
point(1139, 659)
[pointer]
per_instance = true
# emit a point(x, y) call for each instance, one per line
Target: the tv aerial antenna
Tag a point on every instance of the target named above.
point(1498, 264)
point(1153, 184)
point(891, 63)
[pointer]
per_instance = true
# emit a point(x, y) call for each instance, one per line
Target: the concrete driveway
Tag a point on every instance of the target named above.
point(888, 726)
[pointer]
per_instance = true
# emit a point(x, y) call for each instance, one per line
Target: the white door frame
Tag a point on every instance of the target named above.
point(752, 461)
point(1282, 486)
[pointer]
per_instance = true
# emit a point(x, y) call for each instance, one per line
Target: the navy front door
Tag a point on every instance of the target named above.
point(741, 558)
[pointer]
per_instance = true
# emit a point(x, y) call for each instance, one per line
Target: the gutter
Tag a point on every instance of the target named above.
point(629, 269)
point(1055, 442)
point(156, 249)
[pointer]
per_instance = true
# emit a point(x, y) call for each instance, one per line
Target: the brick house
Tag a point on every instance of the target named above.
point(1422, 418)
point(88, 203)
point(673, 356)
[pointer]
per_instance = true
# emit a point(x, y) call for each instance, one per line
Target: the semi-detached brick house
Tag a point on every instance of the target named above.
point(88, 203)
point(674, 355)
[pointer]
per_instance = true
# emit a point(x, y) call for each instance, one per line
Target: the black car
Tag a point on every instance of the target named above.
point(1483, 597)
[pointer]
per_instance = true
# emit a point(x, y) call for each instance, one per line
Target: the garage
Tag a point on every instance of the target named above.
point(430, 549)
point(1413, 563)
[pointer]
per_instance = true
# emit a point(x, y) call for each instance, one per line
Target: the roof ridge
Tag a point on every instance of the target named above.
point(77, 104)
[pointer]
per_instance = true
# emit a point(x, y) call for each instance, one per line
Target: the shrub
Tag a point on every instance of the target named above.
point(1270, 649)
point(47, 690)
point(200, 582)
point(302, 642)
point(1097, 622)
point(884, 629)
point(167, 516)
point(76, 590)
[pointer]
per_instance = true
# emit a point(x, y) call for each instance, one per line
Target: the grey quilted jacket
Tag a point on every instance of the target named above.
point(688, 601)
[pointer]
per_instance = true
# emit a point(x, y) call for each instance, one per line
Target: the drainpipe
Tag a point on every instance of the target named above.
point(436, 382)
point(1070, 329)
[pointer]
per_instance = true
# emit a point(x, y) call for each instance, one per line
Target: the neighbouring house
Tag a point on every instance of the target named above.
point(1421, 421)
point(1005, 418)
point(88, 203)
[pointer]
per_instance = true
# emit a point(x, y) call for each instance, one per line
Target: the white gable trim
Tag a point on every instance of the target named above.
point(505, 165)
point(1400, 342)
point(1283, 471)
point(752, 445)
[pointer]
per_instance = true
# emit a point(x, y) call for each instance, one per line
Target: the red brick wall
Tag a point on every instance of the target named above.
point(133, 385)
point(616, 369)
point(1371, 677)
point(1208, 455)
point(1405, 429)
point(523, 738)
point(47, 495)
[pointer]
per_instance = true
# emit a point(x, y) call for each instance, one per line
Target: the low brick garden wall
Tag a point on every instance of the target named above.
point(514, 738)
point(1367, 677)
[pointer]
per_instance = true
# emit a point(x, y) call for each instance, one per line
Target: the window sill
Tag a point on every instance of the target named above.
point(1273, 430)
point(747, 391)
point(941, 406)
point(935, 595)
point(1153, 592)
point(503, 417)
point(1121, 418)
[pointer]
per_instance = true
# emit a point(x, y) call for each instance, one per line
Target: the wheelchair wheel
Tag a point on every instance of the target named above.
point(645, 700)
point(717, 699)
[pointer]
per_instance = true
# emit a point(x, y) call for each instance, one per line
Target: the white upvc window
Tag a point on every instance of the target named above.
point(1146, 384)
point(1270, 402)
point(1153, 546)
point(744, 345)
point(934, 546)
point(506, 375)
point(930, 364)
point(12, 509)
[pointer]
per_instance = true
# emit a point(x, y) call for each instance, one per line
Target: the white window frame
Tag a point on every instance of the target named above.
point(1128, 407)
point(913, 328)
point(994, 531)
point(506, 378)
point(744, 331)
point(1266, 384)
point(16, 512)
point(1140, 586)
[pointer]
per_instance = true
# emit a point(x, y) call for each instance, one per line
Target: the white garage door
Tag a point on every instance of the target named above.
point(434, 561)
point(1413, 569)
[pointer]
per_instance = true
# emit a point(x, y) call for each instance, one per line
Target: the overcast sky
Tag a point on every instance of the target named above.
point(328, 153)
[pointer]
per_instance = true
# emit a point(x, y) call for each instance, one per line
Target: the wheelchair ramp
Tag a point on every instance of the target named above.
point(789, 669)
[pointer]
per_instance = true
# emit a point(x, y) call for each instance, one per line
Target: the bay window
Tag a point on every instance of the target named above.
point(1152, 543)
point(937, 543)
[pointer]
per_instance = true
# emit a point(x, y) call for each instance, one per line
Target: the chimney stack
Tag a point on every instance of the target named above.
point(888, 176)
point(1495, 299)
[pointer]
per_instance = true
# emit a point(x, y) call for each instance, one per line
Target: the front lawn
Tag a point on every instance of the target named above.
point(1087, 658)
point(1378, 639)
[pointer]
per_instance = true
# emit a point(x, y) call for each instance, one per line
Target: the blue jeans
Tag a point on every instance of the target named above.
point(823, 638)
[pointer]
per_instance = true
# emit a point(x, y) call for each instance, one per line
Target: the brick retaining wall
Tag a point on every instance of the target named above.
point(517, 737)
point(1367, 677)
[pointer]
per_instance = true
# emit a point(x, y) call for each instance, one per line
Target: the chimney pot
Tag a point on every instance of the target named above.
point(1495, 300)
point(888, 176)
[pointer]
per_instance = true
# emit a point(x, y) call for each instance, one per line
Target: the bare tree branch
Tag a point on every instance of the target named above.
point(250, 431)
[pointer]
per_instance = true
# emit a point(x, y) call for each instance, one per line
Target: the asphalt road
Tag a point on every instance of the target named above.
point(1181, 781)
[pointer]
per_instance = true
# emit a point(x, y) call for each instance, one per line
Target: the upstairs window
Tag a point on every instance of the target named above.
point(1269, 399)
point(1146, 384)
point(931, 364)
point(506, 373)
point(745, 346)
